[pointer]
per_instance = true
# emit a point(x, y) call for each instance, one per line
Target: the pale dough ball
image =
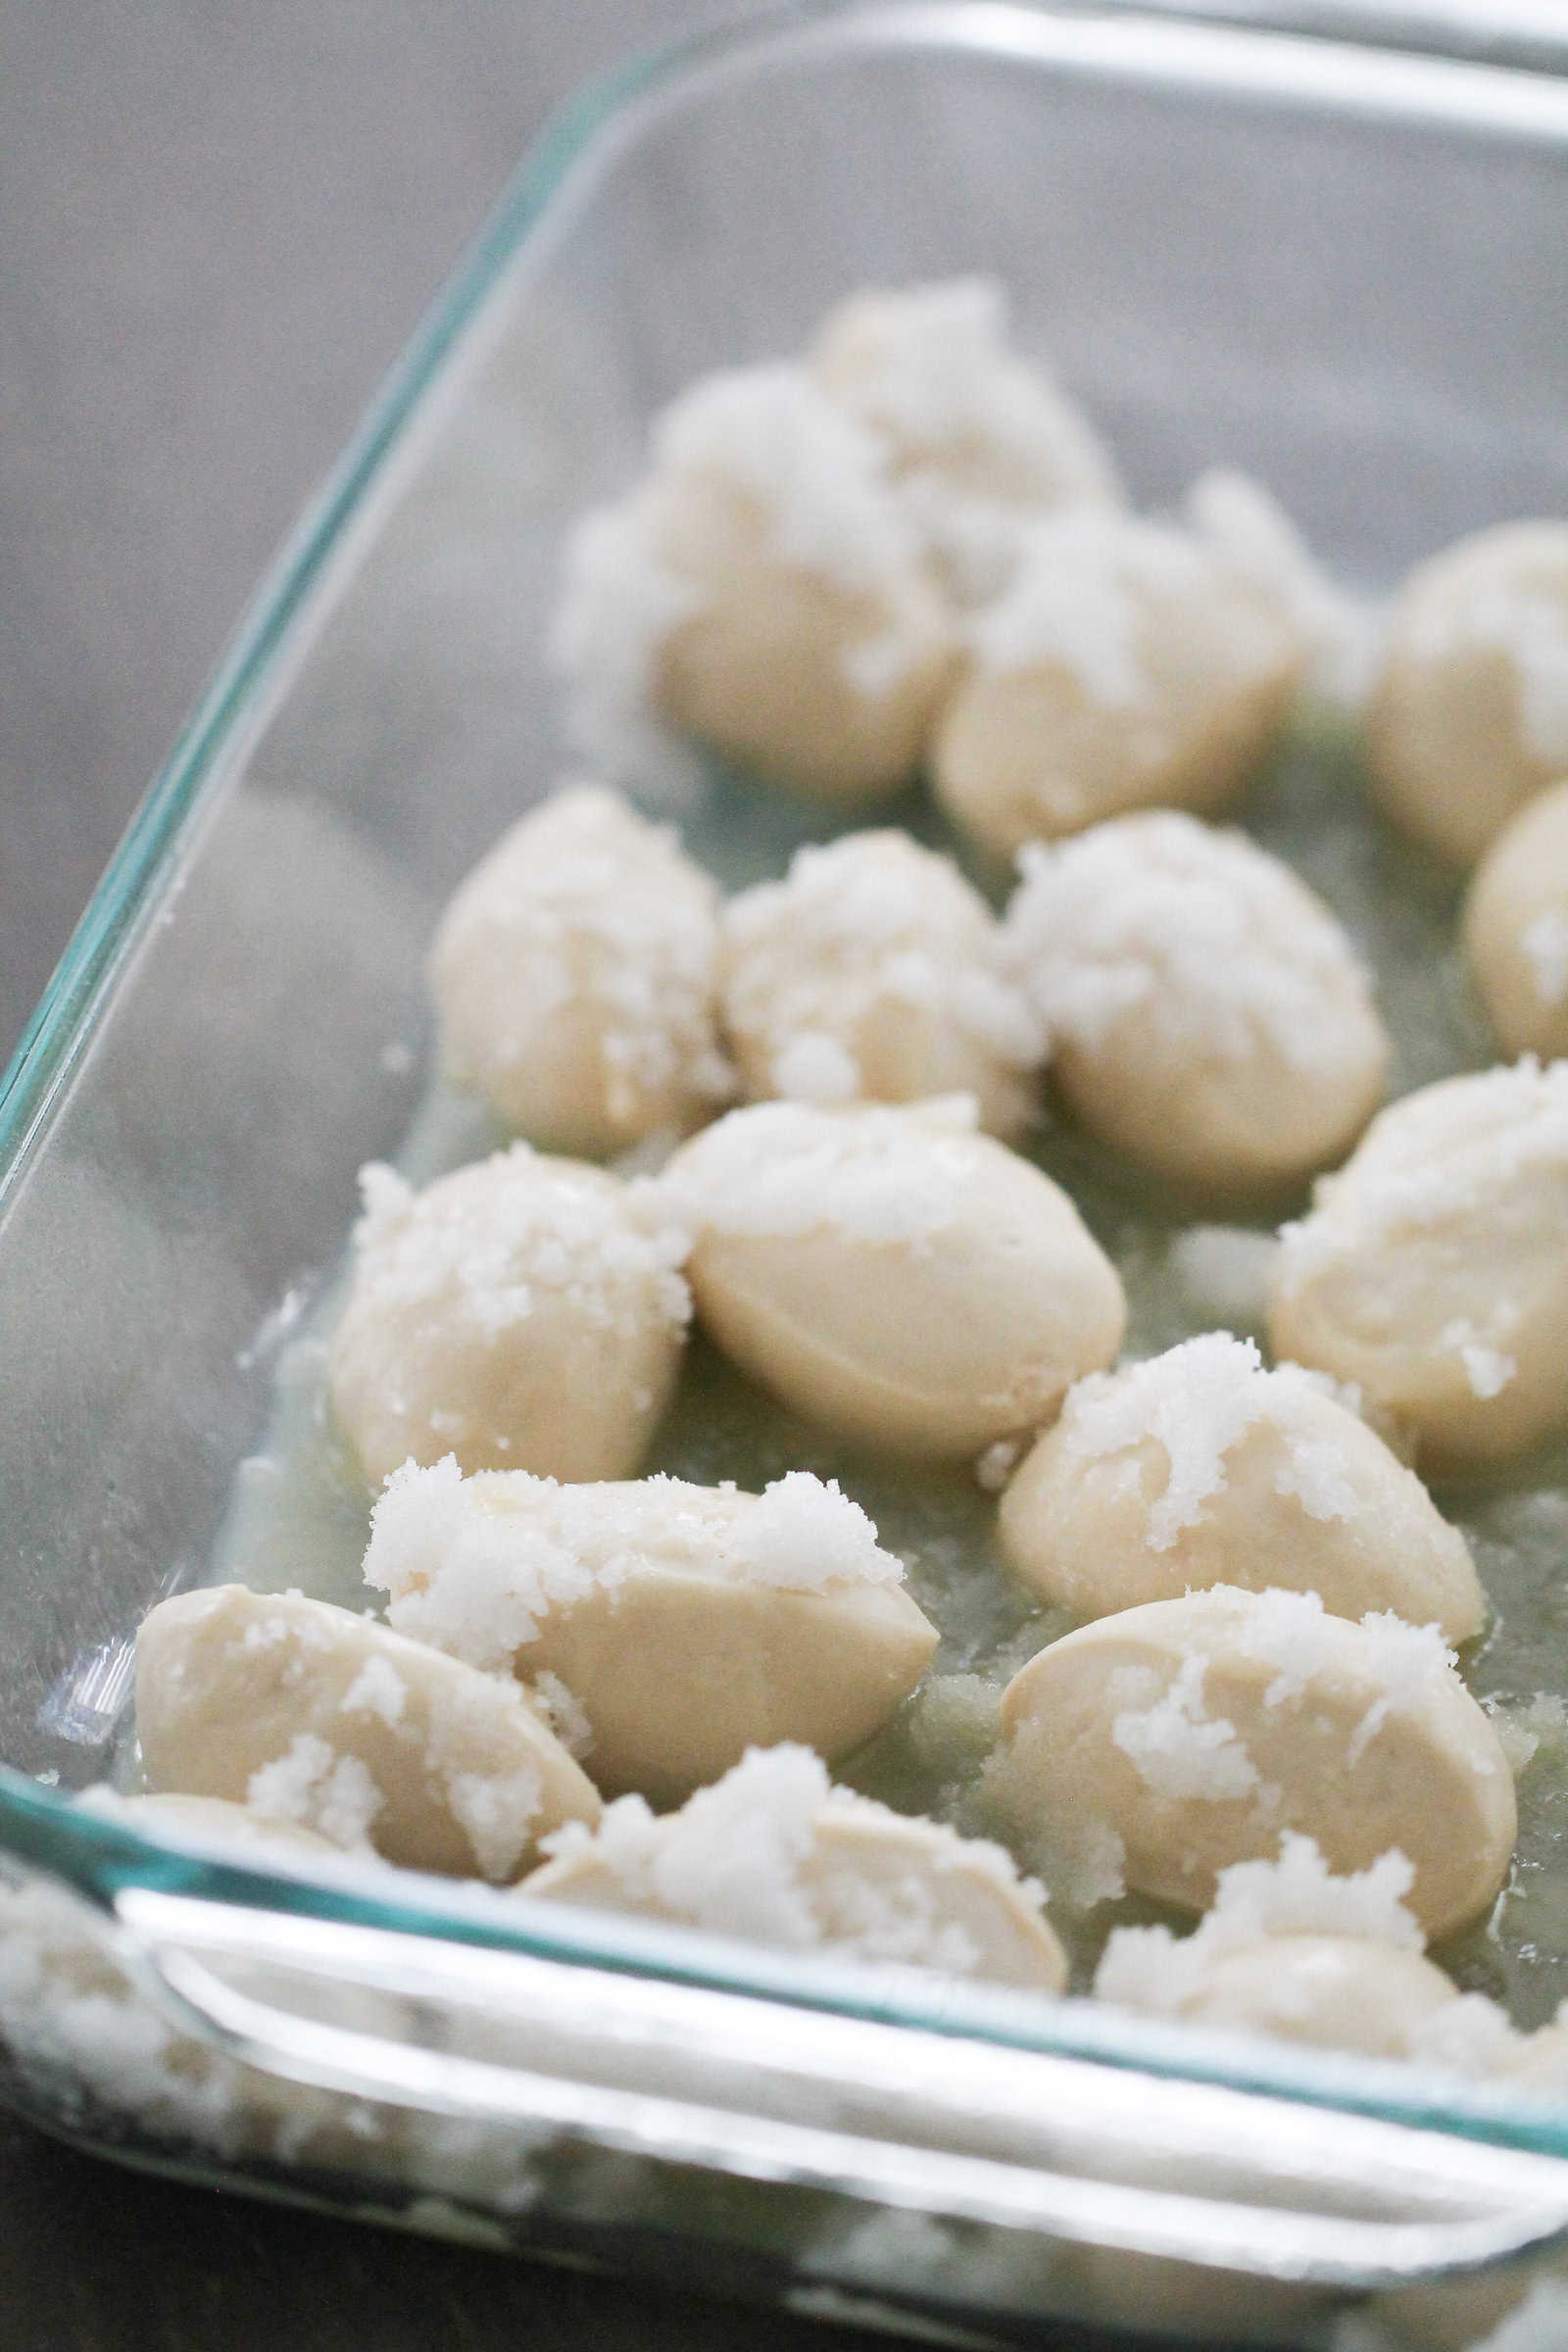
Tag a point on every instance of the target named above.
point(893, 1275)
point(673, 1624)
point(1195, 1731)
point(1198, 1468)
point(1470, 715)
point(575, 977)
point(775, 1854)
point(1516, 928)
point(762, 591)
point(1208, 1015)
point(1128, 665)
point(980, 439)
point(1432, 1271)
point(874, 971)
point(299, 1710)
point(522, 1314)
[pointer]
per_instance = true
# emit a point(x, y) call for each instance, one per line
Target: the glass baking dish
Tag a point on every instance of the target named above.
point(1340, 264)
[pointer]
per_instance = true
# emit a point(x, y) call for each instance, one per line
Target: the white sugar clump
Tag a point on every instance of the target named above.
point(1208, 1014)
point(1240, 518)
point(875, 970)
point(616, 1597)
point(574, 974)
point(980, 438)
point(774, 1854)
point(1178, 1748)
point(478, 1566)
point(882, 1176)
point(1128, 665)
point(1295, 1895)
point(761, 590)
point(321, 1791)
point(1470, 717)
point(1431, 1271)
point(524, 1311)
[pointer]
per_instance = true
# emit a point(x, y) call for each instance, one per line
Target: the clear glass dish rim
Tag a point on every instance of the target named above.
point(97, 1856)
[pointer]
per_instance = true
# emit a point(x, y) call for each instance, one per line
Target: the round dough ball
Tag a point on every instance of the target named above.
point(1516, 928)
point(764, 592)
point(1197, 1730)
point(980, 439)
point(1129, 665)
point(1198, 1468)
point(575, 977)
point(874, 971)
point(893, 1275)
point(1432, 1271)
point(1208, 1015)
point(522, 1314)
point(622, 1596)
point(1470, 715)
point(775, 1854)
point(294, 1707)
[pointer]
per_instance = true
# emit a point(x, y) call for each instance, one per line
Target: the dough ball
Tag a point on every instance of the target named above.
point(522, 1314)
point(1516, 928)
point(775, 1854)
point(980, 439)
point(319, 1716)
point(762, 591)
point(574, 977)
point(1197, 1731)
point(893, 1275)
point(875, 970)
point(209, 1821)
point(1198, 1468)
point(1432, 1271)
point(675, 1625)
point(1470, 715)
point(1128, 665)
point(1208, 1015)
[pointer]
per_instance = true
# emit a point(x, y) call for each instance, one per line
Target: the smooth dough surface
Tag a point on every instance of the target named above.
point(574, 977)
point(1129, 665)
point(686, 1623)
point(1208, 1015)
point(1200, 1468)
point(1470, 715)
point(875, 972)
point(1197, 1730)
point(774, 1853)
point(1432, 1270)
point(522, 1314)
point(893, 1275)
point(1516, 928)
point(294, 1707)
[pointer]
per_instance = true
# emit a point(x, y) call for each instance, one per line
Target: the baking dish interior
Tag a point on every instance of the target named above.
point(1343, 269)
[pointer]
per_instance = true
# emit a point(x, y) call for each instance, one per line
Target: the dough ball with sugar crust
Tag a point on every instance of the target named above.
point(1208, 1015)
point(575, 977)
point(521, 1313)
point(761, 590)
point(1197, 1731)
point(981, 438)
point(311, 1713)
point(1198, 1468)
point(1469, 720)
point(1516, 928)
point(891, 1274)
point(685, 1623)
point(874, 971)
point(775, 1854)
point(1129, 665)
point(1291, 1951)
point(1432, 1271)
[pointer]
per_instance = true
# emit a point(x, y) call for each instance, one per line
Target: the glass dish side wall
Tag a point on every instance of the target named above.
point(1346, 275)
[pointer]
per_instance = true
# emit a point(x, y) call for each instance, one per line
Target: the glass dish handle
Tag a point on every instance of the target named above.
point(1074, 2150)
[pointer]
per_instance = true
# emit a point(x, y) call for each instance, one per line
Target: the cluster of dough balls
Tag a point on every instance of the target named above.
point(910, 546)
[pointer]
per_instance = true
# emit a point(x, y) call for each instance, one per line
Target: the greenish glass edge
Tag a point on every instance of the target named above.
point(98, 1857)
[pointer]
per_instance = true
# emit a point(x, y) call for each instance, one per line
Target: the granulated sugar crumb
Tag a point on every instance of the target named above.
point(319, 1788)
point(565, 1713)
point(1179, 1749)
point(803, 1534)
